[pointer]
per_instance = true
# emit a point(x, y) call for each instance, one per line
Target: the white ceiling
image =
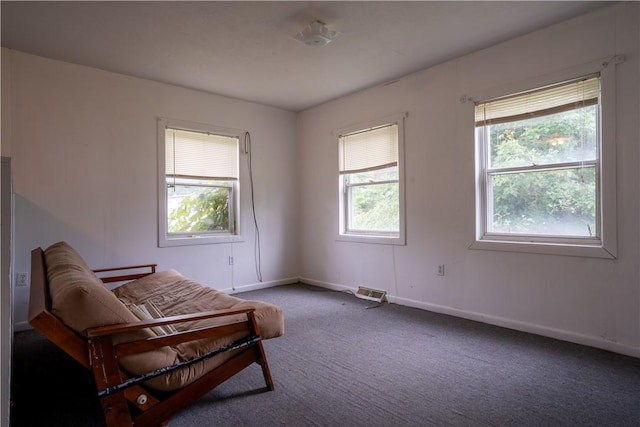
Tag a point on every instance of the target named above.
point(247, 50)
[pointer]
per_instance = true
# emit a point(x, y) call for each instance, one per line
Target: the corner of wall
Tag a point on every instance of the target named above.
point(6, 334)
point(6, 62)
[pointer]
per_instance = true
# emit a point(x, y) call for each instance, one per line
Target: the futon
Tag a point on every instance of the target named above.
point(156, 342)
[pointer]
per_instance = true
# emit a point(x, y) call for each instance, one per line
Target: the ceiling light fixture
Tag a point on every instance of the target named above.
point(316, 34)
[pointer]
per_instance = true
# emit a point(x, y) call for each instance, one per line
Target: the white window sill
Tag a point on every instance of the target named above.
point(587, 251)
point(379, 240)
point(204, 240)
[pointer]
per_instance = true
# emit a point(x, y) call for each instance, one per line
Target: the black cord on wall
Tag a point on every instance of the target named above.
point(257, 254)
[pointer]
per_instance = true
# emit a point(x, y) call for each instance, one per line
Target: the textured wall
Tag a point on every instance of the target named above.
point(588, 300)
point(84, 155)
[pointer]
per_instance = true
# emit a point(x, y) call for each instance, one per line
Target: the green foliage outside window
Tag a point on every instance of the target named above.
point(559, 201)
point(202, 209)
point(375, 206)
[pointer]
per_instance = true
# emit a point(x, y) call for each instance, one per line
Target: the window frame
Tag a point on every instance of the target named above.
point(166, 239)
point(372, 236)
point(606, 245)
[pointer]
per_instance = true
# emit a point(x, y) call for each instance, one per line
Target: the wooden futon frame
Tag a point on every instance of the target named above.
point(125, 400)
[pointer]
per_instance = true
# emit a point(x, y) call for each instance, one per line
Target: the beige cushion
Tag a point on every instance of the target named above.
point(174, 295)
point(147, 311)
point(81, 301)
point(78, 296)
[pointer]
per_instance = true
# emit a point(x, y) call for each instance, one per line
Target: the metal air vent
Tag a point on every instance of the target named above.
point(370, 294)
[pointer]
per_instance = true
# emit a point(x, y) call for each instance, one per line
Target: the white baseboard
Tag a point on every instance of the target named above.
point(21, 326)
point(326, 285)
point(532, 328)
point(260, 285)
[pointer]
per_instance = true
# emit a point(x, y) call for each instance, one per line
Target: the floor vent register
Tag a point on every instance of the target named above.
point(371, 294)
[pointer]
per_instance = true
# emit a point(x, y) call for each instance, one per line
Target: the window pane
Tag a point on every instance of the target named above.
point(557, 138)
point(197, 209)
point(375, 207)
point(556, 202)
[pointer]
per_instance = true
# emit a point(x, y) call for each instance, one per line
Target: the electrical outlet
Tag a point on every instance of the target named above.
point(440, 269)
point(230, 260)
point(22, 279)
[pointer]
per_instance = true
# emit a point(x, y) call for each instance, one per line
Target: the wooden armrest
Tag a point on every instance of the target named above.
point(125, 327)
point(125, 277)
point(152, 343)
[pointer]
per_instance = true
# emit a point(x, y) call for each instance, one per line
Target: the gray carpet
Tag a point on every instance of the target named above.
point(348, 362)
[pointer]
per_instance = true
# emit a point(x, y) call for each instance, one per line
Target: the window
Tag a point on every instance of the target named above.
point(371, 184)
point(540, 165)
point(199, 184)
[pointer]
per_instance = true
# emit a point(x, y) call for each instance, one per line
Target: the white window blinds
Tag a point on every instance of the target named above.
point(200, 155)
point(550, 100)
point(369, 150)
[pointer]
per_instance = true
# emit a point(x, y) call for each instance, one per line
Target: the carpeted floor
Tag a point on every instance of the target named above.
point(347, 362)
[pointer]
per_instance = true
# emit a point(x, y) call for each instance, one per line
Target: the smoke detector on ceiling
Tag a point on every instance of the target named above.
point(316, 34)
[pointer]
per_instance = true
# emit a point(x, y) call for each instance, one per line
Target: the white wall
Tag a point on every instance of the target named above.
point(83, 148)
point(587, 300)
point(83, 151)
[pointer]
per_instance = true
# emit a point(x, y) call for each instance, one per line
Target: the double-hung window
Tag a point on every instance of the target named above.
point(371, 184)
point(540, 159)
point(199, 184)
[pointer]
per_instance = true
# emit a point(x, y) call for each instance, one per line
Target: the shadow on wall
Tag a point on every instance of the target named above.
point(35, 227)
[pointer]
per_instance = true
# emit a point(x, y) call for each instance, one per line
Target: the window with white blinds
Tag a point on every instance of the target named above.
point(540, 174)
point(369, 150)
point(199, 183)
point(190, 154)
point(371, 181)
point(540, 102)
